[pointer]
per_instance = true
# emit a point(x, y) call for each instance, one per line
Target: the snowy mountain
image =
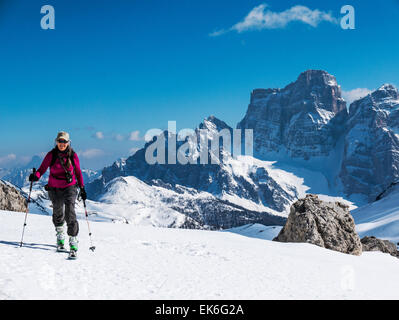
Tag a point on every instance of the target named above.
point(301, 128)
point(305, 141)
point(306, 126)
point(301, 120)
point(158, 263)
point(238, 182)
point(19, 176)
point(371, 155)
point(166, 206)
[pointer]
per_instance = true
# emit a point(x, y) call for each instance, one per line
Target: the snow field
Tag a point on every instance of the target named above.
point(133, 262)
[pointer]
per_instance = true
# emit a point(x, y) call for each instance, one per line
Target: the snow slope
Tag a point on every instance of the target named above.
point(133, 262)
point(380, 218)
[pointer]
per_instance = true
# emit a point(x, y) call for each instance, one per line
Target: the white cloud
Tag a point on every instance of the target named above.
point(25, 159)
point(8, 158)
point(118, 137)
point(99, 135)
point(259, 18)
point(91, 153)
point(355, 94)
point(135, 136)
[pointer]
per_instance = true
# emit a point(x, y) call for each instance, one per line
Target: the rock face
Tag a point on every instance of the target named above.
point(375, 244)
point(11, 199)
point(328, 225)
point(302, 119)
point(308, 121)
point(371, 157)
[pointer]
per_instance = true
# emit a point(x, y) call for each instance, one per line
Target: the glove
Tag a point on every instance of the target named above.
point(83, 194)
point(33, 177)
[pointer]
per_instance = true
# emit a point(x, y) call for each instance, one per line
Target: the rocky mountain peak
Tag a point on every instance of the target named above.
point(317, 77)
point(385, 97)
point(316, 89)
point(386, 91)
point(370, 162)
point(212, 123)
point(298, 117)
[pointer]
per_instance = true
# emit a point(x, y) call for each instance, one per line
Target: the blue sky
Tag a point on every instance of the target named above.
point(114, 69)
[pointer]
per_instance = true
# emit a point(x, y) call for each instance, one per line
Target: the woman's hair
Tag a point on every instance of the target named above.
point(69, 151)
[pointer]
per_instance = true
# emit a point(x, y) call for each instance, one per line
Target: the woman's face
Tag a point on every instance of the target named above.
point(62, 144)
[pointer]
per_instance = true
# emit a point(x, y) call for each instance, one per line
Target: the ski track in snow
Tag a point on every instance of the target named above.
point(132, 262)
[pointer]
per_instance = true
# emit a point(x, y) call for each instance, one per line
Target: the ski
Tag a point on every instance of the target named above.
point(62, 249)
point(72, 255)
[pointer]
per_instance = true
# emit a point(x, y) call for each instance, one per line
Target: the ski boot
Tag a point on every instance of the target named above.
point(60, 239)
point(73, 245)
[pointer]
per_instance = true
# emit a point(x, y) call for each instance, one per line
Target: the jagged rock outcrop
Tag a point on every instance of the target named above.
point(375, 244)
point(371, 155)
point(328, 225)
point(11, 198)
point(303, 119)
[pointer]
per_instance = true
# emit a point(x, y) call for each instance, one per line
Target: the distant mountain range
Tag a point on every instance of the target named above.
point(306, 139)
point(19, 176)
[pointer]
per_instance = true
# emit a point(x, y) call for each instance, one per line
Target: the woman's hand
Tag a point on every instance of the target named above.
point(83, 193)
point(33, 177)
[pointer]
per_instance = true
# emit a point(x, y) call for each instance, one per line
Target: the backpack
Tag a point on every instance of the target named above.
point(55, 155)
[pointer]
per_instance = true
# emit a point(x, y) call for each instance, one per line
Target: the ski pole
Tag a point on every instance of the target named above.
point(27, 210)
point(92, 248)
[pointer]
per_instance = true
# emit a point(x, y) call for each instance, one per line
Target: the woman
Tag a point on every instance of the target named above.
point(65, 175)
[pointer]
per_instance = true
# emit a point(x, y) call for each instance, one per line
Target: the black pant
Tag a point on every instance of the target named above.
point(61, 197)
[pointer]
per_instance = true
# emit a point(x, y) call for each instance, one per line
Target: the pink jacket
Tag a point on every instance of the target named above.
point(57, 174)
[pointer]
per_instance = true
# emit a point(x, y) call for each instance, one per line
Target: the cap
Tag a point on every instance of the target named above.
point(62, 135)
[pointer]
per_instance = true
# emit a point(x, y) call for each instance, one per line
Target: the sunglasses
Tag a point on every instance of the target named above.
point(62, 141)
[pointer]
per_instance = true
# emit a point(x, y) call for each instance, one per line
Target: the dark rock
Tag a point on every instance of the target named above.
point(328, 225)
point(375, 244)
point(11, 198)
